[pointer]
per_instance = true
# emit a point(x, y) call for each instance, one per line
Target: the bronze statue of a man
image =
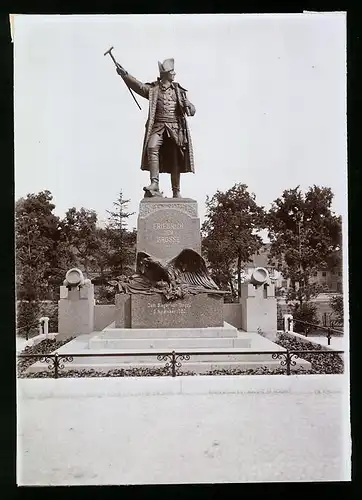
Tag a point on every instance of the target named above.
point(167, 143)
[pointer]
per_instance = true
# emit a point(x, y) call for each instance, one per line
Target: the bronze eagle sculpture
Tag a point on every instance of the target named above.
point(183, 275)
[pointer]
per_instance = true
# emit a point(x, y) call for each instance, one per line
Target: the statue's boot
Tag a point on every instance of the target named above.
point(175, 183)
point(153, 189)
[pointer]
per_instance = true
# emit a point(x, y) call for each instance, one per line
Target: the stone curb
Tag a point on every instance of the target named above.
point(141, 386)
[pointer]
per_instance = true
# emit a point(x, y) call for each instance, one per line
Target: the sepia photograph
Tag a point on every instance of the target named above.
point(181, 248)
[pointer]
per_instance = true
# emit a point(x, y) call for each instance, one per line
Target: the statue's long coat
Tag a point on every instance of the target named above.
point(185, 154)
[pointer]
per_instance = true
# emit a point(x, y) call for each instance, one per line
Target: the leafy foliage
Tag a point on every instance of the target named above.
point(229, 234)
point(46, 346)
point(305, 312)
point(336, 303)
point(102, 252)
point(305, 235)
point(37, 239)
point(27, 320)
point(116, 252)
point(79, 232)
point(321, 363)
point(47, 246)
point(121, 242)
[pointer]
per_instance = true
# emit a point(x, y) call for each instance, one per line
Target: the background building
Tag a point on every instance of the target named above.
point(330, 280)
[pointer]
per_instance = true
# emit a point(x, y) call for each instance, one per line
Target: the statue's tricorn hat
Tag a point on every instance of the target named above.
point(167, 65)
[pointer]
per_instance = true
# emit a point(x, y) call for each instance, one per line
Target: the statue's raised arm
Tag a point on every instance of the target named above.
point(142, 89)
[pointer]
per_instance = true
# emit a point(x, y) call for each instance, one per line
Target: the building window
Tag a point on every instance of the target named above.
point(339, 273)
point(315, 273)
point(284, 283)
point(324, 273)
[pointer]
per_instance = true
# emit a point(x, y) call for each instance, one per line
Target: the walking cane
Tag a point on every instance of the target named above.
point(109, 51)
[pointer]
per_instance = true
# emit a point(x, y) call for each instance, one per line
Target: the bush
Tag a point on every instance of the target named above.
point(91, 372)
point(50, 309)
point(306, 313)
point(27, 318)
point(229, 299)
point(105, 294)
point(47, 346)
point(28, 314)
point(321, 364)
point(336, 303)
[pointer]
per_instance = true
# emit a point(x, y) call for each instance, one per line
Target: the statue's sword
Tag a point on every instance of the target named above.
point(109, 51)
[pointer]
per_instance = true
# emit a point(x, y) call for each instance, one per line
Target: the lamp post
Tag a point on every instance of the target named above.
point(300, 220)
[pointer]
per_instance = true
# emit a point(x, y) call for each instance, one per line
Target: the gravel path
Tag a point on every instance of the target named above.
point(181, 438)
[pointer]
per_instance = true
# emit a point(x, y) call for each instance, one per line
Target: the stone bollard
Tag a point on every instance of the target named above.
point(44, 325)
point(258, 303)
point(288, 323)
point(76, 305)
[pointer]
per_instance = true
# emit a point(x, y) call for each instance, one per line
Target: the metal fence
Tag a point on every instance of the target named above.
point(308, 328)
point(288, 358)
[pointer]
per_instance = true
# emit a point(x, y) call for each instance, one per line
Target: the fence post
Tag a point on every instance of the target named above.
point(44, 325)
point(329, 336)
point(56, 365)
point(173, 363)
point(288, 360)
point(288, 323)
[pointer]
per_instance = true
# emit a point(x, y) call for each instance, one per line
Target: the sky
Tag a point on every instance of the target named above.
point(269, 92)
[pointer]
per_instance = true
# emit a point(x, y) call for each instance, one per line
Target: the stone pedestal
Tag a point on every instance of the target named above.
point(76, 311)
point(154, 311)
point(195, 311)
point(166, 226)
point(123, 310)
point(259, 308)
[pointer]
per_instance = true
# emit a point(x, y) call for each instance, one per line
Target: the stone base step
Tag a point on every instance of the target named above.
point(186, 366)
point(146, 333)
point(183, 343)
point(212, 358)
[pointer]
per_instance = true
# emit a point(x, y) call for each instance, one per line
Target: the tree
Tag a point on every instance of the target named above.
point(305, 312)
point(36, 242)
point(336, 303)
point(121, 242)
point(221, 263)
point(80, 238)
point(118, 217)
point(27, 317)
point(305, 235)
point(230, 229)
point(102, 252)
point(116, 251)
point(37, 236)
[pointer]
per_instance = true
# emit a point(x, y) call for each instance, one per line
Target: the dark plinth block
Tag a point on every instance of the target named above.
point(168, 225)
point(195, 311)
point(123, 310)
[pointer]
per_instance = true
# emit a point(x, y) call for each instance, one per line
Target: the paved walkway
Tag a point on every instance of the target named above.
point(20, 343)
point(338, 343)
point(92, 432)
